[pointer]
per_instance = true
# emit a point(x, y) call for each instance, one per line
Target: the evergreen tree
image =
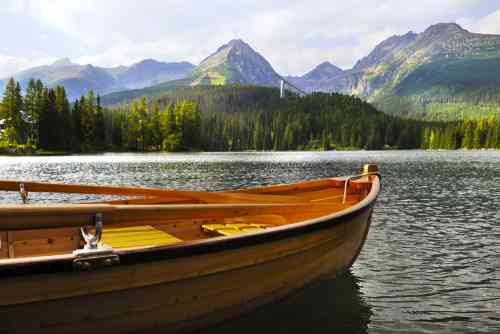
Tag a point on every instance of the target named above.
point(88, 121)
point(143, 130)
point(76, 120)
point(63, 126)
point(118, 129)
point(13, 103)
point(467, 139)
point(155, 128)
point(32, 110)
point(49, 122)
point(134, 140)
point(100, 127)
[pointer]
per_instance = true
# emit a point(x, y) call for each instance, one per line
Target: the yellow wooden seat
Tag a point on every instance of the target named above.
point(232, 229)
point(212, 227)
point(244, 224)
point(136, 236)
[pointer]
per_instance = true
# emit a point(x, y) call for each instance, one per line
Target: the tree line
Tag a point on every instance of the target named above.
point(43, 119)
point(466, 134)
point(225, 118)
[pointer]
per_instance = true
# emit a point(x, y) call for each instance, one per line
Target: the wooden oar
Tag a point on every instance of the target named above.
point(146, 200)
point(197, 196)
point(225, 197)
point(295, 187)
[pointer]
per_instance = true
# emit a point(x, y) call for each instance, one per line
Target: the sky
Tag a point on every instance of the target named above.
point(293, 35)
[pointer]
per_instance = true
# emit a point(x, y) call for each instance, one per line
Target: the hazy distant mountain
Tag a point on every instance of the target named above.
point(323, 71)
point(150, 72)
point(78, 79)
point(235, 62)
point(312, 80)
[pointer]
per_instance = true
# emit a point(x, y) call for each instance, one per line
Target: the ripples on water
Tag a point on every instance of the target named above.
point(432, 259)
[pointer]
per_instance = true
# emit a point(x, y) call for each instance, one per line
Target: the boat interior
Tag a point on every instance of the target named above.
point(145, 217)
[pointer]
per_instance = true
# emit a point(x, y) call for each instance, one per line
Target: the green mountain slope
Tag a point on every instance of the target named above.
point(445, 72)
point(235, 62)
point(447, 88)
point(126, 96)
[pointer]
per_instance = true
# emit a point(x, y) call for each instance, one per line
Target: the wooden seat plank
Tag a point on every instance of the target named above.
point(137, 236)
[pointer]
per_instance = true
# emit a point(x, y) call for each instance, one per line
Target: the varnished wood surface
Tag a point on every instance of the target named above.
point(170, 294)
point(307, 200)
point(21, 217)
point(186, 286)
point(207, 197)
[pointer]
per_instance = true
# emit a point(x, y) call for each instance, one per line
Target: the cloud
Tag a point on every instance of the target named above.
point(293, 35)
point(489, 24)
point(10, 65)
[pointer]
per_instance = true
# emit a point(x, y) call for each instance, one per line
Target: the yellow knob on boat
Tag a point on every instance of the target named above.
point(370, 168)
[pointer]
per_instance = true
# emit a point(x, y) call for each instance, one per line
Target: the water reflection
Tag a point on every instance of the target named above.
point(331, 305)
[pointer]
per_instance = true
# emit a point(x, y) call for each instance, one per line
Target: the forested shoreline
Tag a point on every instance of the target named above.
point(219, 118)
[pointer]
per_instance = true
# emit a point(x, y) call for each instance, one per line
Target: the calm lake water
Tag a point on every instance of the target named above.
point(431, 263)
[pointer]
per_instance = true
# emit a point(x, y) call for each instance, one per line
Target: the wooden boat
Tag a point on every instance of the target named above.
point(172, 260)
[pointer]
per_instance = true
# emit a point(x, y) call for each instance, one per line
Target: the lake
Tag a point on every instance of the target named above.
point(431, 263)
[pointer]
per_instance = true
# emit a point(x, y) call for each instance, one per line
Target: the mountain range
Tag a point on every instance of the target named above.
point(78, 79)
point(444, 72)
point(232, 63)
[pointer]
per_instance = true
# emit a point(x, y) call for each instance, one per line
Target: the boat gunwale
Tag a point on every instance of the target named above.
point(57, 263)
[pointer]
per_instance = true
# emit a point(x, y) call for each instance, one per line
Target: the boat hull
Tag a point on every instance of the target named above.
point(183, 293)
point(186, 287)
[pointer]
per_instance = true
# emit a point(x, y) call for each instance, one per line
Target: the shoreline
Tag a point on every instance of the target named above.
point(48, 154)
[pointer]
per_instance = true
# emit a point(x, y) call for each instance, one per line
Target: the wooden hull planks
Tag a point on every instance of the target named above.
point(190, 284)
point(209, 288)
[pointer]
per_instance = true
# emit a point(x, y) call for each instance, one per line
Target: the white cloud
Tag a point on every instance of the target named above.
point(66, 16)
point(487, 25)
point(128, 52)
point(293, 35)
point(10, 65)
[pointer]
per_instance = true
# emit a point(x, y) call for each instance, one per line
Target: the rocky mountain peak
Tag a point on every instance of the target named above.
point(237, 42)
point(445, 28)
point(63, 62)
point(148, 61)
point(236, 62)
point(444, 38)
point(325, 66)
point(385, 49)
point(325, 70)
point(239, 47)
